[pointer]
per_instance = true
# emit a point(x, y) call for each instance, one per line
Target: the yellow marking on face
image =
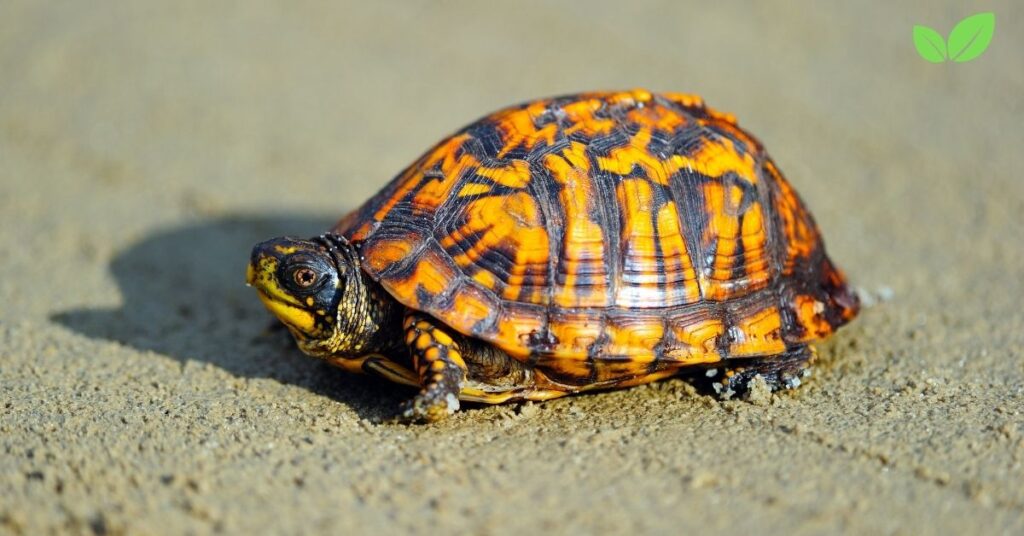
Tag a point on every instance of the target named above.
point(289, 314)
point(309, 301)
point(280, 303)
point(286, 250)
point(265, 280)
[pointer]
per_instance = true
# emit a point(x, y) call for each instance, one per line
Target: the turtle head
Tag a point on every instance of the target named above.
point(317, 289)
point(301, 282)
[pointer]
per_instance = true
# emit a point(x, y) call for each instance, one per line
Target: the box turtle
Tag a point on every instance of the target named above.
point(591, 241)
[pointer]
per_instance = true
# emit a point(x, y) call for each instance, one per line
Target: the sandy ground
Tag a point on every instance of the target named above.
point(145, 147)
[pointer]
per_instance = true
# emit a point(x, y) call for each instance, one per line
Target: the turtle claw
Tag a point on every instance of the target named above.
point(427, 407)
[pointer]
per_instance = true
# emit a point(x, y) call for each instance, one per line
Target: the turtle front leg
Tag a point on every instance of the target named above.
point(437, 359)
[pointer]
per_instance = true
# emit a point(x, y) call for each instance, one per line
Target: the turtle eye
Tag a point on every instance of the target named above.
point(304, 277)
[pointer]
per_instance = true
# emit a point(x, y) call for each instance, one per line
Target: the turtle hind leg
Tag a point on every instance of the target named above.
point(783, 371)
point(495, 377)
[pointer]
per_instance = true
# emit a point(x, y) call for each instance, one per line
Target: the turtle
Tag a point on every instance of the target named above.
point(592, 241)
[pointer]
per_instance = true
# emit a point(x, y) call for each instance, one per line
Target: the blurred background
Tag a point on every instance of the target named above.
point(144, 146)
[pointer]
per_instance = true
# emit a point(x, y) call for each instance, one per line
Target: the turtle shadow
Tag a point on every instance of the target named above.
point(184, 296)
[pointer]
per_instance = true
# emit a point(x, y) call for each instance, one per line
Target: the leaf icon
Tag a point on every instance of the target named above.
point(971, 36)
point(930, 45)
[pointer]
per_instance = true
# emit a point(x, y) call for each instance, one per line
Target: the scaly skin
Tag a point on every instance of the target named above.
point(438, 361)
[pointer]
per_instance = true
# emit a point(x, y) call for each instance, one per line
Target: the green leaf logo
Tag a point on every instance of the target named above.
point(930, 45)
point(968, 40)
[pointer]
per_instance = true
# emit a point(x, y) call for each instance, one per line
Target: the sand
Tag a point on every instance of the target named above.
point(144, 147)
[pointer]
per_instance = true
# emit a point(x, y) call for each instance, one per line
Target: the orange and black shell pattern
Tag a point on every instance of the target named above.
point(603, 236)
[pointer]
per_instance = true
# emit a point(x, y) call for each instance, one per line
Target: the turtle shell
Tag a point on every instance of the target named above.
point(602, 234)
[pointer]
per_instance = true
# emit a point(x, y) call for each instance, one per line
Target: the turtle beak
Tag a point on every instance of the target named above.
point(271, 251)
point(250, 275)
